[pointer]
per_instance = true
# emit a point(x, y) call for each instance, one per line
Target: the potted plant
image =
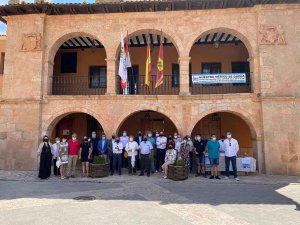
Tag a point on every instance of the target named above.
point(99, 167)
point(178, 170)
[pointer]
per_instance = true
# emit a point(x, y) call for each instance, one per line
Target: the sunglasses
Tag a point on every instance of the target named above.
point(229, 144)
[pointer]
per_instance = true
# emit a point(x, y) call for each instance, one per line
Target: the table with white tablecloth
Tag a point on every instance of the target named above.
point(243, 164)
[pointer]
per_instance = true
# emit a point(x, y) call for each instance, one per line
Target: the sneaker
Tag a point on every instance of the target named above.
point(217, 177)
point(226, 178)
point(156, 171)
point(237, 179)
point(62, 178)
point(165, 177)
point(211, 177)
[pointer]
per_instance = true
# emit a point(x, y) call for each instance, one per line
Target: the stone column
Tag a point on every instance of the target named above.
point(258, 142)
point(111, 76)
point(254, 74)
point(184, 63)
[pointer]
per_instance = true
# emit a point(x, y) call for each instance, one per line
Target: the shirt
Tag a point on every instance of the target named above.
point(73, 147)
point(117, 148)
point(170, 155)
point(200, 147)
point(146, 147)
point(124, 140)
point(54, 150)
point(213, 149)
point(161, 142)
point(231, 147)
point(133, 146)
point(222, 146)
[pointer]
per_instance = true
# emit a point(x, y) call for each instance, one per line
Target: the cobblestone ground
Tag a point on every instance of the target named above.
point(256, 199)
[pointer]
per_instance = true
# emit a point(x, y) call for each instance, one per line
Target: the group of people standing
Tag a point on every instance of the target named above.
point(148, 153)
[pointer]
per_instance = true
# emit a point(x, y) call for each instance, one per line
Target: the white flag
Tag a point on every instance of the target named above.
point(122, 64)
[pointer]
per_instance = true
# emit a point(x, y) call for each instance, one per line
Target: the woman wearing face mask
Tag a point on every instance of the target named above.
point(63, 156)
point(169, 159)
point(44, 151)
point(184, 151)
point(55, 150)
point(85, 153)
point(191, 153)
point(132, 150)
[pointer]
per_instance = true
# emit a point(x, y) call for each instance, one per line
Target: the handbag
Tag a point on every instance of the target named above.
point(58, 163)
point(125, 154)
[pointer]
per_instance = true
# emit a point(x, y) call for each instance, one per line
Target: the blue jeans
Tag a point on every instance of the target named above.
point(233, 163)
point(117, 161)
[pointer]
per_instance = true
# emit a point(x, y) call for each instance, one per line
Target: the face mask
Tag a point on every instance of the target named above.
point(46, 140)
point(214, 138)
point(64, 140)
point(179, 139)
point(189, 139)
point(57, 142)
point(160, 135)
point(85, 140)
point(184, 141)
point(89, 140)
point(229, 136)
point(140, 134)
point(198, 138)
point(170, 147)
point(113, 137)
point(175, 136)
point(103, 138)
point(130, 139)
point(74, 138)
point(124, 134)
point(93, 135)
point(156, 135)
point(145, 139)
point(149, 135)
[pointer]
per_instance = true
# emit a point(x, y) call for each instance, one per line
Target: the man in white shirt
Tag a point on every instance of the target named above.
point(231, 150)
point(145, 150)
point(54, 151)
point(132, 149)
point(161, 143)
point(117, 155)
point(222, 146)
point(124, 140)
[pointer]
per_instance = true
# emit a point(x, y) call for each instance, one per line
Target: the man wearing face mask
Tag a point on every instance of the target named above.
point(231, 150)
point(178, 143)
point(55, 150)
point(222, 146)
point(73, 150)
point(191, 153)
point(132, 150)
point(213, 148)
point(124, 140)
point(103, 147)
point(151, 139)
point(145, 150)
point(199, 148)
point(161, 143)
point(110, 153)
point(176, 138)
point(117, 155)
point(94, 142)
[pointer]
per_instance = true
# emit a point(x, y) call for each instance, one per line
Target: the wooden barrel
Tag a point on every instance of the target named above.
point(178, 172)
point(99, 170)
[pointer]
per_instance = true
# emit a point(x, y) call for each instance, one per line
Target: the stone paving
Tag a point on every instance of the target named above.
point(255, 199)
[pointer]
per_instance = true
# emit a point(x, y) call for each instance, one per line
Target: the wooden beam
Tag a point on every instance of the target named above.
point(221, 36)
point(214, 37)
point(83, 41)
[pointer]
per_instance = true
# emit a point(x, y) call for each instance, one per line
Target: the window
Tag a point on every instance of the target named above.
point(241, 67)
point(175, 75)
point(2, 63)
point(68, 62)
point(98, 78)
point(209, 68)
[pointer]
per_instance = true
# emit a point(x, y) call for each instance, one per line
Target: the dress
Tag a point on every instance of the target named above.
point(45, 161)
point(184, 153)
point(85, 147)
point(63, 153)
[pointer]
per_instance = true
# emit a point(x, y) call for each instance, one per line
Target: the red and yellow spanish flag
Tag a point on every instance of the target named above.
point(160, 66)
point(148, 65)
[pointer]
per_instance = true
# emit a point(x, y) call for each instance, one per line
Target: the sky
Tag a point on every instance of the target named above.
point(4, 2)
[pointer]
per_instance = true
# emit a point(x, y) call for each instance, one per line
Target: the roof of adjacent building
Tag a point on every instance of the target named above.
point(121, 6)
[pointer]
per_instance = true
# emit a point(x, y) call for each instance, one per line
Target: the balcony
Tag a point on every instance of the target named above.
point(202, 89)
point(77, 85)
point(136, 86)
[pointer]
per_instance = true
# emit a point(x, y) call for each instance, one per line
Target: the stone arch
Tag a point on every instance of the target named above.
point(122, 119)
point(50, 123)
point(168, 34)
point(238, 34)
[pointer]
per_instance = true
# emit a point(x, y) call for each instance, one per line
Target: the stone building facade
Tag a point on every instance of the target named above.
point(271, 109)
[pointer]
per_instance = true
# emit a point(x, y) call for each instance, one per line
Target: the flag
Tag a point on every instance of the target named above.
point(128, 61)
point(122, 65)
point(160, 66)
point(148, 65)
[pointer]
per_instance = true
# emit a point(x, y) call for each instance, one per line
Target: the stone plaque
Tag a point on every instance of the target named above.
point(32, 42)
point(271, 35)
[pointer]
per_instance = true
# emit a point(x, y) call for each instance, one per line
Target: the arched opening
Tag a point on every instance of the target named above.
point(137, 43)
point(220, 123)
point(80, 67)
point(220, 64)
point(145, 121)
point(80, 123)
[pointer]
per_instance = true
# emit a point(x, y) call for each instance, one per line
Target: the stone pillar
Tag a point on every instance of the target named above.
point(111, 76)
point(184, 63)
point(254, 74)
point(258, 143)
